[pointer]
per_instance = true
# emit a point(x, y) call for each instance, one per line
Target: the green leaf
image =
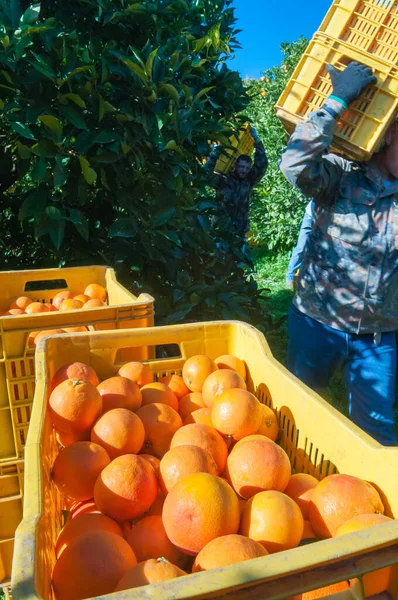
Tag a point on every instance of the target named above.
point(83, 229)
point(203, 92)
point(53, 124)
point(136, 8)
point(88, 173)
point(73, 116)
point(54, 213)
point(124, 227)
point(171, 91)
point(149, 62)
point(33, 205)
point(57, 232)
point(23, 130)
point(136, 69)
point(101, 108)
point(24, 151)
point(163, 217)
point(45, 148)
point(75, 98)
point(60, 173)
point(39, 170)
point(31, 15)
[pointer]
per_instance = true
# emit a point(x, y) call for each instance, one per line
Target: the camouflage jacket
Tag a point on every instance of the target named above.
point(349, 278)
point(234, 193)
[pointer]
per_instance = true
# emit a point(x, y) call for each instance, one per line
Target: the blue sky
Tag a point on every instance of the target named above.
point(268, 23)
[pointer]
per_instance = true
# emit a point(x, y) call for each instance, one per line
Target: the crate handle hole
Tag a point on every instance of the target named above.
point(45, 284)
point(161, 352)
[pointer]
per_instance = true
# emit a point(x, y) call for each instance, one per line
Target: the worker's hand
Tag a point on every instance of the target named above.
point(254, 133)
point(349, 84)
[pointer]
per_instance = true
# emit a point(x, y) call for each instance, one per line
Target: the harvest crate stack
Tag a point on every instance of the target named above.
point(353, 30)
point(309, 429)
point(17, 366)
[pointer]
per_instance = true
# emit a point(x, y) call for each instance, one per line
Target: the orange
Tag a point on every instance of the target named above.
point(227, 550)
point(339, 497)
point(82, 524)
point(75, 406)
point(119, 392)
point(323, 592)
point(84, 507)
point(149, 571)
point(78, 371)
point(256, 466)
point(202, 415)
point(13, 312)
point(96, 291)
point(126, 488)
point(35, 307)
point(274, 520)
point(308, 532)
point(157, 507)
point(119, 431)
point(93, 303)
point(198, 509)
point(189, 403)
point(196, 370)
point(79, 329)
point(46, 333)
point(76, 468)
point(160, 423)
point(154, 461)
point(137, 372)
point(92, 565)
point(229, 361)
point(269, 425)
point(83, 298)
point(181, 461)
point(31, 338)
point(148, 539)
point(60, 297)
point(176, 383)
point(50, 307)
point(70, 304)
point(66, 439)
point(205, 437)
point(236, 413)
point(159, 393)
point(299, 489)
point(374, 582)
point(22, 302)
point(219, 382)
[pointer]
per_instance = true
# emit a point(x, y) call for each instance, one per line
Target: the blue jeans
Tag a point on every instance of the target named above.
point(315, 350)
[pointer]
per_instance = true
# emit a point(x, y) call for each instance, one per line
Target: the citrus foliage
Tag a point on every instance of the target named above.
point(108, 108)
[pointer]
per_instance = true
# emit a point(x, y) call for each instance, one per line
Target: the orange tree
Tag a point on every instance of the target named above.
point(108, 108)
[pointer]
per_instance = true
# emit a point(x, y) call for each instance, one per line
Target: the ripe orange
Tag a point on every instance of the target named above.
point(147, 572)
point(323, 592)
point(181, 461)
point(35, 307)
point(82, 524)
point(189, 403)
point(76, 468)
point(75, 406)
point(269, 426)
point(22, 302)
point(79, 329)
point(220, 381)
point(92, 565)
point(274, 520)
point(202, 415)
point(70, 304)
point(374, 582)
point(14, 312)
point(60, 297)
point(31, 338)
point(157, 507)
point(78, 371)
point(81, 298)
point(159, 393)
point(176, 383)
point(229, 361)
point(236, 413)
point(308, 532)
point(258, 465)
point(205, 437)
point(160, 422)
point(126, 488)
point(339, 497)
point(198, 509)
point(299, 489)
point(154, 461)
point(196, 370)
point(119, 431)
point(227, 550)
point(137, 372)
point(41, 334)
point(119, 392)
point(96, 291)
point(50, 307)
point(93, 303)
point(148, 539)
point(85, 507)
point(66, 439)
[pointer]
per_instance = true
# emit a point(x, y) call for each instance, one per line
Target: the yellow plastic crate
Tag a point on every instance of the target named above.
point(371, 25)
point(362, 127)
point(17, 375)
point(242, 145)
point(11, 500)
point(317, 438)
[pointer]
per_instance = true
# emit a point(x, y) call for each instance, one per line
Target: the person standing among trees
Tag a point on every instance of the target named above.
point(345, 311)
point(233, 190)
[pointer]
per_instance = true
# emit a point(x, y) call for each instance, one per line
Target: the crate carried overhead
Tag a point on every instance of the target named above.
point(242, 144)
point(363, 31)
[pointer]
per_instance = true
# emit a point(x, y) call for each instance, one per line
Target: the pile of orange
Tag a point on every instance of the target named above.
point(162, 478)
